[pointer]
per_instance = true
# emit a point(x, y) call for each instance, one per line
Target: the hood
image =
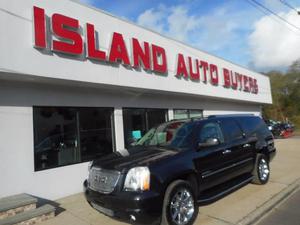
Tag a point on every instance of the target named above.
point(137, 156)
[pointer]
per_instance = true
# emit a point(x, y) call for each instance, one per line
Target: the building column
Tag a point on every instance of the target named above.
point(171, 114)
point(119, 130)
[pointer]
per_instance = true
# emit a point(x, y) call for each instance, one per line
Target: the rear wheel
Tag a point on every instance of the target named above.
point(261, 170)
point(179, 207)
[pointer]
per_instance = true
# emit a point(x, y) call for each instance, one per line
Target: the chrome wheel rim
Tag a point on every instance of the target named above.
point(263, 169)
point(182, 207)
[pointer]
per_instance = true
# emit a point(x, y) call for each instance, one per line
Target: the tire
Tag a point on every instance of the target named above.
point(261, 172)
point(173, 204)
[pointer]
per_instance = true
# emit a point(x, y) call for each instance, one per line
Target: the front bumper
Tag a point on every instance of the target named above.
point(136, 208)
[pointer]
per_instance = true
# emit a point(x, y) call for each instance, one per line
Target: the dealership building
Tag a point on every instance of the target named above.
point(77, 83)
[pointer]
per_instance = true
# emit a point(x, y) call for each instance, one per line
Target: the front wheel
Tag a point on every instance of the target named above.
point(261, 172)
point(179, 207)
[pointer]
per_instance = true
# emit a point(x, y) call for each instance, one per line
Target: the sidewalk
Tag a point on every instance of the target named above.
point(239, 207)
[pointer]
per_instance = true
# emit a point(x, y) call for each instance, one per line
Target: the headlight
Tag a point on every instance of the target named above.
point(137, 179)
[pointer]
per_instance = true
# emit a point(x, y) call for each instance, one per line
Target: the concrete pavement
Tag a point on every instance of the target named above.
point(286, 213)
point(241, 207)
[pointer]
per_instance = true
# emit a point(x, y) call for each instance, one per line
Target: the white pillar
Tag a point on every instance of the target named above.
point(119, 130)
point(171, 114)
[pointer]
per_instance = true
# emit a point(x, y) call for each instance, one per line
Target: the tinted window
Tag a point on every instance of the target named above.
point(253, 124)
point(211, 130)
point(95, 132)
point(138, 121)
point(231, 129)
point(68, 135)
point(174, 134)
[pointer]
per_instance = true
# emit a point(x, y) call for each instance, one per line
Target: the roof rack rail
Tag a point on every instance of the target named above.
point(229, 115)
point(178, 119)
point(188, 119)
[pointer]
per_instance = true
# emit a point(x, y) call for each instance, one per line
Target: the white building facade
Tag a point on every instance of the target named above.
point(77, 83)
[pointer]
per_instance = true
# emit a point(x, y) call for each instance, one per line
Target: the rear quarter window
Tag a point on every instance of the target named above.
point(253, 125)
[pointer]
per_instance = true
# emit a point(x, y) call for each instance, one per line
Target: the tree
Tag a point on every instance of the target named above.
point(286, 95)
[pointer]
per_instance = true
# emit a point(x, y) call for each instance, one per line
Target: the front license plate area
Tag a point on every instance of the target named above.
point(103, 210)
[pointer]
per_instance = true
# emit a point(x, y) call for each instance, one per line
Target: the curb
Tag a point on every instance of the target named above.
point(261, 211)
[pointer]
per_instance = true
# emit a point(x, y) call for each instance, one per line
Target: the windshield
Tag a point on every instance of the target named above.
point(173, 134)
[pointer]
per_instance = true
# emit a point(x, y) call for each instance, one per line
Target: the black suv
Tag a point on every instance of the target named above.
point(179, 165)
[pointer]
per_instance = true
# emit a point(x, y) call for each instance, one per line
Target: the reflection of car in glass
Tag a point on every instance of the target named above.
point(62, 148)
point(178, 165)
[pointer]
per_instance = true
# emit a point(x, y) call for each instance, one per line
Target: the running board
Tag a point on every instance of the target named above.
point(212, 198)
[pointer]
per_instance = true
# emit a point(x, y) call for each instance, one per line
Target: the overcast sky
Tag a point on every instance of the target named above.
point(232, 29)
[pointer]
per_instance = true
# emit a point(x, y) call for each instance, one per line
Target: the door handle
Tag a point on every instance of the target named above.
point(227, 151)
point(246, 145)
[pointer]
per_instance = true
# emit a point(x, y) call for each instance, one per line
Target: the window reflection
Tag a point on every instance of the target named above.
point(67, 135)
point(138, 121)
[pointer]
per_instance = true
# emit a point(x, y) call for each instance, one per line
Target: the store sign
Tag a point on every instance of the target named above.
point(67, 38)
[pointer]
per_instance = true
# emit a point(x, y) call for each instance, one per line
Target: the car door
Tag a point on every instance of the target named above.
point(239, 151)
point(211, 162)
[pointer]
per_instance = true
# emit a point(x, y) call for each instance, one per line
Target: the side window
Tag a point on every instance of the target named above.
point(249, 124)
point(211, 130)
point(253, 124)
point(231, 129)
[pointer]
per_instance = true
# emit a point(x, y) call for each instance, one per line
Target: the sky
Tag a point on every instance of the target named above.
point(236, 30)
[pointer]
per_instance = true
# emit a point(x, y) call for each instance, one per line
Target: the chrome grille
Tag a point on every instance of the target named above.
point(102, 180)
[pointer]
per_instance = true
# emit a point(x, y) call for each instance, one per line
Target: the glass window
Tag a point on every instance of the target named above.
point(181, 114)
point(95, 132)
point(138, 121)
point(231, 129)
point(195, 113)
point(187, 113)
point(253, 124)
point(175, 134)
point(211, 130)
point(68, 135)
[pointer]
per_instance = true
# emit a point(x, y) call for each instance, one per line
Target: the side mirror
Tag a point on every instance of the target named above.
point(209, 142)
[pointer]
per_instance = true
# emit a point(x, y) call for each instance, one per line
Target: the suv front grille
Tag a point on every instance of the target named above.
point(102, 180)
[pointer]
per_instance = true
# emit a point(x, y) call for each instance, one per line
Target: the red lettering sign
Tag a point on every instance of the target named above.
point(234, 82)
point(159, 59)
point(68, 39)
point(141, 55)
point(246, 83)
point(66, 30)
point(226, 75)
point(92, 52)
point(181, 67)
point(118, 50)
point(194, 75)
point(214, 76)
point(39, 27)
point(204, 66)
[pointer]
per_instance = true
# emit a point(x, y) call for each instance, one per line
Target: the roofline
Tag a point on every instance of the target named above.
point(162, 35)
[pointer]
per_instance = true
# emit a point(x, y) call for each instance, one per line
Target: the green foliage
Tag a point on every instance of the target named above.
point(285, 94)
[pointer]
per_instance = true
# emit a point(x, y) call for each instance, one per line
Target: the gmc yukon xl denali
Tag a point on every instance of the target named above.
point(178, 166)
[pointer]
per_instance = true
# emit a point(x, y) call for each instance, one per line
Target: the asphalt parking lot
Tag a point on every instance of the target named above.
point(246, 205)
point(286, 213)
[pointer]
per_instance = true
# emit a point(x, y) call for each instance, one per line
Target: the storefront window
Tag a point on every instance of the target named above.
point(68, 135)
point(138, 121)
point(187, 113)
